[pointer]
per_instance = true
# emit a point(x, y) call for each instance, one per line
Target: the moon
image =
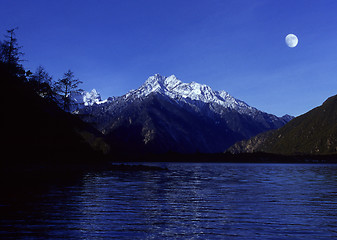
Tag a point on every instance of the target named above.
point(291, 40)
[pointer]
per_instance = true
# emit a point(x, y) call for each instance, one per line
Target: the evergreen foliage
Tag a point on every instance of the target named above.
point(65, 87)
point(10, 53)
point(34, 128)
point(41, 83)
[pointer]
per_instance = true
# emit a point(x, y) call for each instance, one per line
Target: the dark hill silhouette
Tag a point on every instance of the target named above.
point(314, 132)
point(36, 130)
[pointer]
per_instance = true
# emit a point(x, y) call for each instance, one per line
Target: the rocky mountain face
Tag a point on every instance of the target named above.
point(165, 114)
point(312, 133)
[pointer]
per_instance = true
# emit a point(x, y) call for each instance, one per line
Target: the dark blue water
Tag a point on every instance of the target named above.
point(189, 201)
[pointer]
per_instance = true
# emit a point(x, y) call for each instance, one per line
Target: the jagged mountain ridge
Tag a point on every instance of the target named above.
point(160, 114)
point(176, 89)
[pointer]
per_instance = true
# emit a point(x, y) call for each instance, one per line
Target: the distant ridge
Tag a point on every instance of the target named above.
point(314, 132)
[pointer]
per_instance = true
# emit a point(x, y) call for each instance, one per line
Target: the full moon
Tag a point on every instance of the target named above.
point(291, 40)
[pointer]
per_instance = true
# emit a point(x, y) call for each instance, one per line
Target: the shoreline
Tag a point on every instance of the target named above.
point(259, 157)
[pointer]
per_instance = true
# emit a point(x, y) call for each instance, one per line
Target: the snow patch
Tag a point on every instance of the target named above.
point(176, 89)
point(85, 98)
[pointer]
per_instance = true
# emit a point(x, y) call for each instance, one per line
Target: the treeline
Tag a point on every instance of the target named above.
point(59, 91)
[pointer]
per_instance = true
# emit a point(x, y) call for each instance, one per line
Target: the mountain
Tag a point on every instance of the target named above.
point(85, 98)
point(314, 132)
point(165, 114)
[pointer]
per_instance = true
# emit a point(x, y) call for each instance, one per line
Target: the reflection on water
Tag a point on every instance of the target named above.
point(189, 201)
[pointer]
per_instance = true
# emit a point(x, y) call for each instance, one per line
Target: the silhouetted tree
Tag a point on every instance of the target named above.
point(10, 53)
point(65, 87)
point(41, 82)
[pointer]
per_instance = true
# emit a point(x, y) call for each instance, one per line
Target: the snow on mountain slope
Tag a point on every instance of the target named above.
point(192, 94)
point(87, 98)
point(188, 92)
point(165, 114)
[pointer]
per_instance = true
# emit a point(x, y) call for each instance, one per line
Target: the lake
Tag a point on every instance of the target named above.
point(187, 201)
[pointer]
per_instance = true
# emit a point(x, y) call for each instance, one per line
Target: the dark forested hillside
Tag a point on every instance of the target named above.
point(312, 133)
point(34, 129)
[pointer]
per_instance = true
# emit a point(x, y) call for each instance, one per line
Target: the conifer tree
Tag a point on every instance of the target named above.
point(65, 87)
point(41, 82)
point(10, 53)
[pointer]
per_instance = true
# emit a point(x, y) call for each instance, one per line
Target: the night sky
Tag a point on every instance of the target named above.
point(232, 45)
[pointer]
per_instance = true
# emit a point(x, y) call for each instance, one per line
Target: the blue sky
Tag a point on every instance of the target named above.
point(232, 45)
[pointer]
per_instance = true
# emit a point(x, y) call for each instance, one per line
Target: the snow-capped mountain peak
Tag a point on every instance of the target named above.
point(171, 82)
point(158, 83)
point(176, 89)
point(166, 114)
point(87, 98)
point(92, 97)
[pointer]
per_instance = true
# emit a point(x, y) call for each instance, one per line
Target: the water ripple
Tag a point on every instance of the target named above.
point(189, 201)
